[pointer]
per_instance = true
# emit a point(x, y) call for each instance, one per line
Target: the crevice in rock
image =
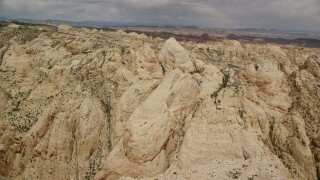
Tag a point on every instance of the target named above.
point(199, 71)
point(196, 108)
point(274, 147)
point(300, 105)
point(74, 137)
point(278, 151)
point(180, 135)
point(2, 53)
point(163, 69)
point(108, 110)
point(94, 163)
point(225, 80)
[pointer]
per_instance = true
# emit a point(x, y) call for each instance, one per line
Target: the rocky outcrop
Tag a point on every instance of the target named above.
point(87, 104)
point(173, 55)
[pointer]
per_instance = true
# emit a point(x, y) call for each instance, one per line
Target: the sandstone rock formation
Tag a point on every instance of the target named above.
point(87, 104)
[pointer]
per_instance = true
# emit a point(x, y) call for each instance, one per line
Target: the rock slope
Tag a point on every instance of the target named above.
point(87, 104)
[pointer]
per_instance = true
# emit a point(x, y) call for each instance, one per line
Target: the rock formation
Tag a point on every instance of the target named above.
point(87, 104)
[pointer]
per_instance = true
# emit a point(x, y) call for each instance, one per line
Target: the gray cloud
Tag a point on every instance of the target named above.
point(280, 14)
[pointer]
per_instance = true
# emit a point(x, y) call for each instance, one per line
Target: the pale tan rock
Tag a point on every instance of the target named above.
point(82, 104)
point(313, 67)
point(119, 163)
point(205, 143)
point(266, 167)
point(146, 134)
point(173, 55)
point(63, 28)
point(129, 101)
point(61, 134)
point(300, 147)
point(281, 133)
point(12, 25)
point(4, 99)
point(134, 34)
point(145, 61)
point(120, 32)
point(210, 80)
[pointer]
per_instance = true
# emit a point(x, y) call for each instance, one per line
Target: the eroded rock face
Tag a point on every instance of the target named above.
point(147, 133)
point(173, 55)
point(87, 104)
point(4, 99)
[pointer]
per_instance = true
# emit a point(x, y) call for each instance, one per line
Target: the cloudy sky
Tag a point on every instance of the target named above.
point(278, 14)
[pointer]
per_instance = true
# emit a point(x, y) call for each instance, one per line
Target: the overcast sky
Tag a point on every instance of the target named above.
point(278, 14)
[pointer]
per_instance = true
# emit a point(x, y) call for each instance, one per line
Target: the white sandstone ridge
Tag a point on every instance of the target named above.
point(173, 55)
point(87, 104)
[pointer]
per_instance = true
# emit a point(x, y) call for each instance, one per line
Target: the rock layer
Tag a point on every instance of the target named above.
point(87, 104)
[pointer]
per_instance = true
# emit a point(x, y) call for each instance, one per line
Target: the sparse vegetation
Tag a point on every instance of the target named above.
point(224, 84)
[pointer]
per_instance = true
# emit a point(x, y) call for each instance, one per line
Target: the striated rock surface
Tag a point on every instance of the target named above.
point(87, 104)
